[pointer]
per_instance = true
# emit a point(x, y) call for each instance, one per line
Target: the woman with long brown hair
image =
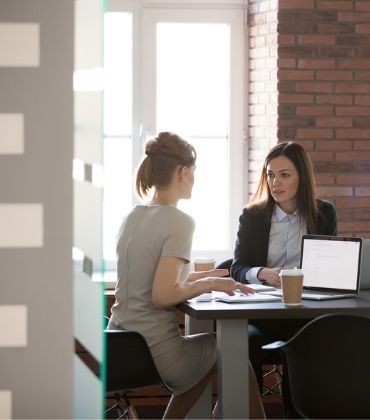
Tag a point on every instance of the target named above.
point(284, 207)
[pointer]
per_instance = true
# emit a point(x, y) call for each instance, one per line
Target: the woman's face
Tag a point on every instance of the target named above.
point(283, 181)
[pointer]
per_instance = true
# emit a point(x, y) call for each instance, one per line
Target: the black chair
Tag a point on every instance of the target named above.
point(328, 367)
point(272, 368)
point(129, 366)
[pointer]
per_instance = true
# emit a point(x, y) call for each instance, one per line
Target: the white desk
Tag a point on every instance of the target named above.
point(232, 342)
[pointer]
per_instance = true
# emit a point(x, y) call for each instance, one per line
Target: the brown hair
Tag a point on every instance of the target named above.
point(306, 195)
point(164, 154)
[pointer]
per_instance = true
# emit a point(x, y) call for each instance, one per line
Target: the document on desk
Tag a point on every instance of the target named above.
point(242, 298)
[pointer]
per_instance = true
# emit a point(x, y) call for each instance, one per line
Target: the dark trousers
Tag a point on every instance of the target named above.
point(264, 331)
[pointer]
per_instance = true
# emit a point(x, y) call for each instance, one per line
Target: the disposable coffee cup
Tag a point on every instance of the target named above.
point(204, 264)
point(291, 284)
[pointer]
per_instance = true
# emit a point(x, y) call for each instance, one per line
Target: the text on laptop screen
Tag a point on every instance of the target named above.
point(330, 263)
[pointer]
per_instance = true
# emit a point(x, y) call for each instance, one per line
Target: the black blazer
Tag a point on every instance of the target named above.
point(251, 246)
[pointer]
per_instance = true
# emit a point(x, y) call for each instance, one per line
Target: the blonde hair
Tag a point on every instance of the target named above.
point(164, 153)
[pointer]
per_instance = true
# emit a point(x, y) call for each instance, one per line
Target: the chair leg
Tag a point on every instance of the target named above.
point(274, 389)
point(125, 409)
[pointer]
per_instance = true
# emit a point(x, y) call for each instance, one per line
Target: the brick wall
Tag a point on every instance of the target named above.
point(262, 131)
point(323, 102)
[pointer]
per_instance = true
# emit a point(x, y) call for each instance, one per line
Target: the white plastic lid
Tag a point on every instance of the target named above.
point(291, 272)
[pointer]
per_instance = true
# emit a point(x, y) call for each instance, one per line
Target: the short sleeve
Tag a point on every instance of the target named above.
point(178, 242)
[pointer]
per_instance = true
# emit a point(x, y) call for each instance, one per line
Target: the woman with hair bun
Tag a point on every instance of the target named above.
point(153, 255)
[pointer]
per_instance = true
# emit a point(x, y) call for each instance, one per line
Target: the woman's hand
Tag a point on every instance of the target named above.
point(229, 286)
point(217, 272)
point(270, 275)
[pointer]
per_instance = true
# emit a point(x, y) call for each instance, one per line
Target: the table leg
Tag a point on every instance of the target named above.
point(202, 408)
point(233, 369)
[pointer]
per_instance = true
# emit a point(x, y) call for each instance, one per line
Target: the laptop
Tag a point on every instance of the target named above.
point(331, 266)
point(365, 265)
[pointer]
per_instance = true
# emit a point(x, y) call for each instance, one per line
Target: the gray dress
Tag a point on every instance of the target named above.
point(148, 233)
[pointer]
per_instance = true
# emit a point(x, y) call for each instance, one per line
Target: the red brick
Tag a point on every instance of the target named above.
point(334, 75)
point(322, 179)
point(335, 28)
point(353, 203)
point(321, 157)
point(363, 88)
point(355, 63)
point(319, 110)
point(286, 39)
point(295, 75)
point(335, 191)
point(363, 100)
point(353, 17)
point(362, 5)
point(295, 98)
point(316, 39)
point(353, 179)
point(314, 87)
point(362, 75)
point(351, 40)
point(287, 63)
point(333, 145)
point(314, 133)
point(352, 156)
point(363, 28)
point(335, 99)
point(362, 191)
point(314, 63)
point(347, 111)
point(361, 145)
point(353, 133)
point(355, 226)
point(296, 4)
point(307, 144)
point(333, 122)
point(336, 5)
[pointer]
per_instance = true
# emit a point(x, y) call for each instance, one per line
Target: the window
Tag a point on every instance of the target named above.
point(176, 66)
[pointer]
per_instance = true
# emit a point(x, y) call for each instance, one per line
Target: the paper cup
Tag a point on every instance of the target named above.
point(291, 284)
point(204, 264)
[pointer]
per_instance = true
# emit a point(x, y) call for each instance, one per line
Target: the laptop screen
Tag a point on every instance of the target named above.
point(331, 262)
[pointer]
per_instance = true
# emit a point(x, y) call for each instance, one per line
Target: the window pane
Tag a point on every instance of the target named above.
point(117, 73)
point(193, 78)
point(209, 202)
point(117, 190)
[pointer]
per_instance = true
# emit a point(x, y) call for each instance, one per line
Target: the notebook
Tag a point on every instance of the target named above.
point(331, 266)
point(365, 265)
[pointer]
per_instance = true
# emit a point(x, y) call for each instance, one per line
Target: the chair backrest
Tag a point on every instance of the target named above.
point(328, 363)
point(225, 264)
point(129, 362)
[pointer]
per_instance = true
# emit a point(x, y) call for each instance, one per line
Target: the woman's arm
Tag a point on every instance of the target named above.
point(169, 289)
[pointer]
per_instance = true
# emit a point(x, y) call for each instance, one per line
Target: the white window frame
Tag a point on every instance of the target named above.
point(145, 15)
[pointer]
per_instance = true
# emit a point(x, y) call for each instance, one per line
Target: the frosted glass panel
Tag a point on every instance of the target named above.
point(13, 325)
point(117, 190)
point(118, 74)
point(19, 44)
point(193, 78)
point(88, 313)
point(88, 213)
point(21, 225)
point(209, 202)
point(88, 126)
point(88, 33)
point(88, 393)
point(5, 404)
point(12, 134)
